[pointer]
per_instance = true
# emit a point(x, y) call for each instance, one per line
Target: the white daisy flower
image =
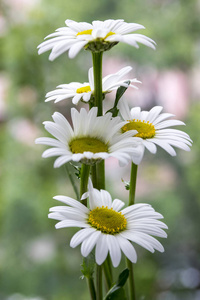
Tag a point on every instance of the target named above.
point(85, 91)
point(109, 228)
point(98, 36)
point(153, 128)
point(90, 140)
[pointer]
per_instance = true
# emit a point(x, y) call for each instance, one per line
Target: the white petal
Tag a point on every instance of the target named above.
point(153, 113)
point(165, 146)
point(71, 223)
point(72, 202)
point(127, 248)
point(117, 204)
point(80, 236)
point(136, 238)
point(106, 198)
point(114, 250)
point(150, 146)
point(75, 49)
point(89, 243)
point(101, 250)
point(62, 160)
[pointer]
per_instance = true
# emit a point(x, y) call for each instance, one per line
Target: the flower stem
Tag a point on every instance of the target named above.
point(97, 71)
point(132, 190)
point(108, 272)
point(131, 280)
point(92, 288)
point(85, 172)
point(99, 282)
point(98, 172)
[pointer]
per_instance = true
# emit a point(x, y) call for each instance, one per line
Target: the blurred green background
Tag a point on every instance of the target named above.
point(36, 262)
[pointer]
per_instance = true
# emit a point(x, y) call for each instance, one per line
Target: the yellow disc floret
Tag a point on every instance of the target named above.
point(145, 130)
point(84, 89)
point(93, 145)
point(89, 31)
point(107, 220)
point(108, 34)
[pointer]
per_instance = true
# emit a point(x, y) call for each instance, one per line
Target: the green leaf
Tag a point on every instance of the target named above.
point(114, 111)
point(88, 265)
point(120, 91)
point(117, 291)
point(118, 294)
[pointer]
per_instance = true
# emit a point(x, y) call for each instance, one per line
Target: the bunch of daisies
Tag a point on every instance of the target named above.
point(106, 229)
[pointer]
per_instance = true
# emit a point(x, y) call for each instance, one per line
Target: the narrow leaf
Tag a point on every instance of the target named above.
point(117, 291)
point(120, 91)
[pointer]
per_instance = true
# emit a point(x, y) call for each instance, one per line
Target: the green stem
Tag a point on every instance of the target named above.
point(97, 70)
point(94, 175)
point(100, 171)
point(132, 189)
point(108, 272)
point(92, 288)
point(85, 172)
point(99, 282)
point(131, 280)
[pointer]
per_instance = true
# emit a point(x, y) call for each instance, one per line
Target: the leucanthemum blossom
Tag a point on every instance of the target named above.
point(153, 127)
point(98, 36)
point(109, 227)
point(91, 139)
point(84, 91)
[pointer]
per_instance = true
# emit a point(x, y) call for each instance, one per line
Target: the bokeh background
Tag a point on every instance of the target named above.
point(36, 262)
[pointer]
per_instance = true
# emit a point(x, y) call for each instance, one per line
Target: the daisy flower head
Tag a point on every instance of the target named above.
point(91, 139)
point(98, 36)
point(153, 127)
point(109, 227)
point(85, 91)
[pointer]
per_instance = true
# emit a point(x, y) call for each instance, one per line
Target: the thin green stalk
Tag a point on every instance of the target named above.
point(100, 171)
point(92, 288)
point(132, 189)
point(94, 175)
point(108, 273)
point(85, 172)
point(99, 282)
point(97, 69)
point(131, 280)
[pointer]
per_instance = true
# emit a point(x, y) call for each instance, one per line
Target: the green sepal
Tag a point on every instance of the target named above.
point(120, 91)
point(88, 265)
point(117, 292)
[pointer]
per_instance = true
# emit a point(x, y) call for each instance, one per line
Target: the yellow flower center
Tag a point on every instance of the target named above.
point(89, 31)
point(108, 34)
point(107, 220)
point(84, 89)
point(93, 145)
point(145, 130)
